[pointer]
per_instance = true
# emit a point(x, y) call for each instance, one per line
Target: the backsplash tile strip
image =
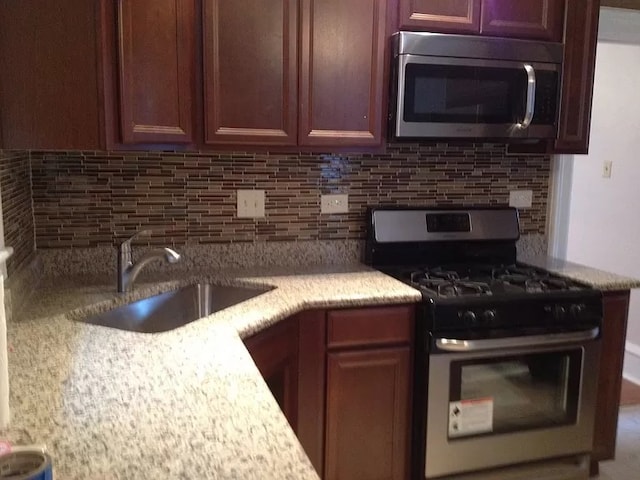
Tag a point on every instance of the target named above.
point(86, 199)
point(17, 208)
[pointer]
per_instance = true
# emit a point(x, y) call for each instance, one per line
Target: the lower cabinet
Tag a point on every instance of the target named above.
point(614, 327)
point(275, 353)
point(343, 380)
point(368, 402)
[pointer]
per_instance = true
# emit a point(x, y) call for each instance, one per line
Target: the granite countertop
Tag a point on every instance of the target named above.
point(590, 276)
point(188, 403)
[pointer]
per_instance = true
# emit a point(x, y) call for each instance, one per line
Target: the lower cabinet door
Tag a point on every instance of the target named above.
point(275, 353)
point(368, 414)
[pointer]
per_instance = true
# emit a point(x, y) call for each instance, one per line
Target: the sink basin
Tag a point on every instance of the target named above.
point(174, 309)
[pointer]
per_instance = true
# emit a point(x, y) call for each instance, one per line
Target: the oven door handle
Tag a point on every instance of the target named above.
point(453, 345)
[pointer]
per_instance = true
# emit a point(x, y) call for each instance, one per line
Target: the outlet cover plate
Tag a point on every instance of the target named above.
point(250, 204)
point(330, 204)
point(521, 198)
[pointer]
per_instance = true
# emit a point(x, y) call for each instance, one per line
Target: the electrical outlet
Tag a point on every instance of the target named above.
point(606, 169)
point(334, 204)
point(250, 203)
point(520, 198)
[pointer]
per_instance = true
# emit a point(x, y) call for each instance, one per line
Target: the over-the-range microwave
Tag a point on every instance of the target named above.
point(450, 86)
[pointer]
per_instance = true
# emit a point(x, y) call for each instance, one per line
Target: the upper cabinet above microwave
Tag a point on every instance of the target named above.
point(538, 19)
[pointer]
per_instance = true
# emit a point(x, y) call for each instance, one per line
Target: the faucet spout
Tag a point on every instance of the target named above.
point(128, 270)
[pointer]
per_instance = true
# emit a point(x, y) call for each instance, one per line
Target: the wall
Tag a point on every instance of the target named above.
point(83, 199)
point(603, 225)
point(17, 208)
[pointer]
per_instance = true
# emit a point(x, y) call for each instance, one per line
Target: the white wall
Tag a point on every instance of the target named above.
point(603, 227)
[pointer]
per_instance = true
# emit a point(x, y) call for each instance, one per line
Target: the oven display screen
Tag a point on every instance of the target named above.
point(448, 222)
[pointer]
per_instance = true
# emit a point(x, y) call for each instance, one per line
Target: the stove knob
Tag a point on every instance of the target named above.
point(559, 313)
point(469, 317)
point(489, 316)
point(577, 311)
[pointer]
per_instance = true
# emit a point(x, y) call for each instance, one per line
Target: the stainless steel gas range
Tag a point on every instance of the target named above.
point(507, 355)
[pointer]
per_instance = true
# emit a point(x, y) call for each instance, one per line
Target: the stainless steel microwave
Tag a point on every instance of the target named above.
point(478, 87)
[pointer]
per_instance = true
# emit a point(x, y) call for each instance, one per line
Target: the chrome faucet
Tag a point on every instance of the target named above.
point(128, 271)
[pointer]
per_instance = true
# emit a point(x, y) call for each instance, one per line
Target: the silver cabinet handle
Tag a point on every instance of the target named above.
point(531, 98)
point(453, 345)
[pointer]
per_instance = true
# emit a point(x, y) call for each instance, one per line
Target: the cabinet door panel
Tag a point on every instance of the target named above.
point(342, 72)
point(578, 70)
point(542, 19)
point(461, 16)
point(156, 67)
point(251, 70)
point(275, 353)
point(368, 411)
point(614, 329)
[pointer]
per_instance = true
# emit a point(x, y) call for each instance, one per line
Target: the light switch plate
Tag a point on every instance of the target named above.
point(250, 204)
point(521, 198)
point(606, 169)
point(330, 204)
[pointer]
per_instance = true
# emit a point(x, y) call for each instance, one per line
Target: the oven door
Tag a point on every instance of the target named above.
point(507, 401)
point(462, 97)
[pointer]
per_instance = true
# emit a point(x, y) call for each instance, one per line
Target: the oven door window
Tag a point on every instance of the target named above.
point(473, 95)
point(516, 393)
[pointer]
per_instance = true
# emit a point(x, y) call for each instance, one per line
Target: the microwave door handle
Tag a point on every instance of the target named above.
point(531, 341)
point(531, 98)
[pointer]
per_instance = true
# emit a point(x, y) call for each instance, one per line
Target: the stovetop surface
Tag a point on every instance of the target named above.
point(472, 280)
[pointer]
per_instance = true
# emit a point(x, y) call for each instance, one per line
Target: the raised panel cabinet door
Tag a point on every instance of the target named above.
point(614, 328)
point(578, 70)
point(275, 353)
point(251, 71)
point(341, 72)
point(368, 414)
point(156, 66)
point(542, 19)
point(456, 16)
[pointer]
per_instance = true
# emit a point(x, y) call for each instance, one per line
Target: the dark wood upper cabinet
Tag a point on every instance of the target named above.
point(581, 37)
point(48, 75)
point(251, 71)
point(156, 66)
point(542, 19)
point(341, 75)
point(455, 16)
point(614, 332)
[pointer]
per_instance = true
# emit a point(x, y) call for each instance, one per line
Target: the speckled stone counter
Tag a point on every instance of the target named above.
point(587, 275)
point(188, 403)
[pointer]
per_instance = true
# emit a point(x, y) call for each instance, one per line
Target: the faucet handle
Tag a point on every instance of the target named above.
point(125, 246)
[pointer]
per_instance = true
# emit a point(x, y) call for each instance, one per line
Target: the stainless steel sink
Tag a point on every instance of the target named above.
point(174, 309)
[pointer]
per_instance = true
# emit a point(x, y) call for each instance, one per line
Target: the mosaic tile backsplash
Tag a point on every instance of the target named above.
point(17, 210)
point(86, 199)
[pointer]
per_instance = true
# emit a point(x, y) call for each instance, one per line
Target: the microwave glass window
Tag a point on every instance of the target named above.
point(460, 94)
point(527, 392)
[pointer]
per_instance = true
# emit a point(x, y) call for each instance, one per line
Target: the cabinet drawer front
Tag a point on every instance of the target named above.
point(370, 326)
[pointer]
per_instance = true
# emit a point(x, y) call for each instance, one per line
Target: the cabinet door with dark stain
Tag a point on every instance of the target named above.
point(455, 16)
point(156, 66)
point(251, 71)
point(542, 19)
point(341, 76)
point(578, 71)
point(275, 353)
point(614, 331)
point(368, 411)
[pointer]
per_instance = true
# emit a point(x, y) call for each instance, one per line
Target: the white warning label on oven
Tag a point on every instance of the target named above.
point(470, 417)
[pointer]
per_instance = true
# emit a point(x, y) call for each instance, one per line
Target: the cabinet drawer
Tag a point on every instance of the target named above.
point(370, 326)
